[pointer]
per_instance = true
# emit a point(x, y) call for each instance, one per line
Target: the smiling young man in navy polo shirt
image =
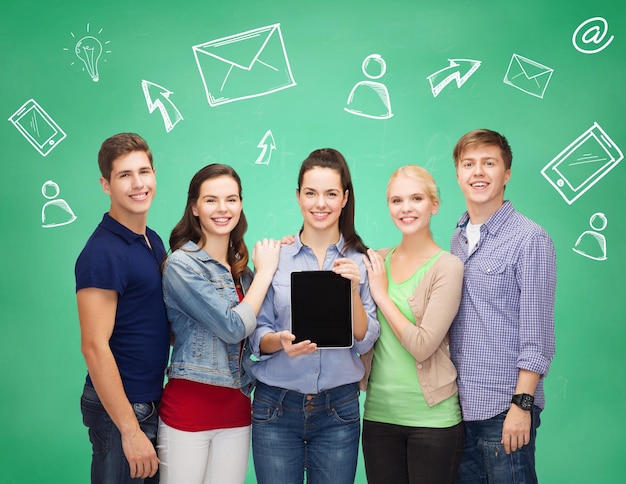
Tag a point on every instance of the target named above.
point(124, 328)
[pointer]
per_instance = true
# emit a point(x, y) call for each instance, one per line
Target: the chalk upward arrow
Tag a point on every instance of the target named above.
point(459, 70)
point(157, 97)
point(267, 144)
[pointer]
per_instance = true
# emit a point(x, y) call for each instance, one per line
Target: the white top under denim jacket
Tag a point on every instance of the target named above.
point(207, 319)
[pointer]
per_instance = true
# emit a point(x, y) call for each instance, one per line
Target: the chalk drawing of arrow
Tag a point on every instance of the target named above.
point(157, 97)
point(267, 145)
point(459, 70)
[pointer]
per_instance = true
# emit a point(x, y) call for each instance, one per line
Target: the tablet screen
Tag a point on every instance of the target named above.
point(321, 308)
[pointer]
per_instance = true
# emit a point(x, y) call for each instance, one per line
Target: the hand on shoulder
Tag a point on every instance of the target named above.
point(265, 255)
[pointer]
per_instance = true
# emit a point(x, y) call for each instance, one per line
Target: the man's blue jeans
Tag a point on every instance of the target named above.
point(109, 464)
point(294, 433)
point(484, 459)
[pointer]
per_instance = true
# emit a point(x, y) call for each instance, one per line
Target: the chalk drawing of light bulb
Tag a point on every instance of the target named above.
point(591, 243)
point(56, 211)
point(89, 49)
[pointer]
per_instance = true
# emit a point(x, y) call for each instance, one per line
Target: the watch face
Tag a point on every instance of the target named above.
point(527, 402)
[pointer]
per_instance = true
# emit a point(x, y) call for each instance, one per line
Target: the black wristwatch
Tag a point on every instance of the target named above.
point(523, 401)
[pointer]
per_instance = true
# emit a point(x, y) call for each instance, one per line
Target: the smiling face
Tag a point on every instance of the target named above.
point(482, 176)
point(321, 198)
point(410, 205)
point(131, 186)
point(218, 206)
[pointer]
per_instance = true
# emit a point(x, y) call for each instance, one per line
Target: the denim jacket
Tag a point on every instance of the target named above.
point(207, 320)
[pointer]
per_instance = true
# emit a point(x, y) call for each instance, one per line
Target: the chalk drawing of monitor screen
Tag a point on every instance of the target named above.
point(578, 167)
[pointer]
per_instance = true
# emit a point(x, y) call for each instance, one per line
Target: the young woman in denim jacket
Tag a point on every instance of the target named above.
point(212, 302)
point(412, 429)
point(305, 414)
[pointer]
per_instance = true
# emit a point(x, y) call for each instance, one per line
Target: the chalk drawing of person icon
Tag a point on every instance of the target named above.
point(591, 243)
point(56, 211)
point(371, 98)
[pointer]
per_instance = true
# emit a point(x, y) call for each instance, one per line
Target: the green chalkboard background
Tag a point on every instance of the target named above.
point(326, 43)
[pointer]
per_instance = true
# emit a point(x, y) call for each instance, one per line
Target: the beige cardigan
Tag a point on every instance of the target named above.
point(435, 303)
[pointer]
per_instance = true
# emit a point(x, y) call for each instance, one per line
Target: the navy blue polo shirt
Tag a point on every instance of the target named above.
point(118, 259)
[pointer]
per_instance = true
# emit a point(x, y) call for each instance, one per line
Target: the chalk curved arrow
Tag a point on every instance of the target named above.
point(158, 97)
point(459, 70)
point(267, 145)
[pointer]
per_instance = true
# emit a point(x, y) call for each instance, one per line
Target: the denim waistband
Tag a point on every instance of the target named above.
point(331, 395)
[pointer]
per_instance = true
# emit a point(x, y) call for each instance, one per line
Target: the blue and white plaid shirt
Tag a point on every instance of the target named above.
point(506, 319)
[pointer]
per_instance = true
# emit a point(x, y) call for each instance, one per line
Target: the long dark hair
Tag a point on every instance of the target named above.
point(333, 159)
point(189, 226)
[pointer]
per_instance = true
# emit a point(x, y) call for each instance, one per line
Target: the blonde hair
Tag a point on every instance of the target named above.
point(419, 174)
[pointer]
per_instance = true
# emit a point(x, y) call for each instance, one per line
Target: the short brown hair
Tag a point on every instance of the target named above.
point(483, 137)
point(118, 145)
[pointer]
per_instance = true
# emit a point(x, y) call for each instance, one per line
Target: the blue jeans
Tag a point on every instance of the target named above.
point(108, 463)
point(294, 433)
point(484, 459)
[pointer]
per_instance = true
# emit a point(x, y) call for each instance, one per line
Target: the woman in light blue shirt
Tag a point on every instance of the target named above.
point(305, 413)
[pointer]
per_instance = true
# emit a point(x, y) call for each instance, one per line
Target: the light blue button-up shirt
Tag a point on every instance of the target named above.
point(325, 368)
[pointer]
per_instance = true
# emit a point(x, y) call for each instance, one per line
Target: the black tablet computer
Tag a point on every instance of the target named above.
point(321, 308)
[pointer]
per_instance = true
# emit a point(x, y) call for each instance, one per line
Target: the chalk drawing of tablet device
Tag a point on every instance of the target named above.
point(37, 127)
point(583, 163)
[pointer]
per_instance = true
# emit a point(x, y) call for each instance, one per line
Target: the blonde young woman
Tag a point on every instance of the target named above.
point(412, 429)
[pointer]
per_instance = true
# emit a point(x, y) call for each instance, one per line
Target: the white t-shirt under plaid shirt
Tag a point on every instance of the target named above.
point(506, 319)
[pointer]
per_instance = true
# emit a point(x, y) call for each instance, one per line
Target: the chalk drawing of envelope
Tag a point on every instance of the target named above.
point(528, 76)
point(244, 65)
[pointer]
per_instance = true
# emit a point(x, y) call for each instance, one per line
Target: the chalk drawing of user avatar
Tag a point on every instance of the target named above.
point(56, 211)
point(591, 243)
point(370, 98)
